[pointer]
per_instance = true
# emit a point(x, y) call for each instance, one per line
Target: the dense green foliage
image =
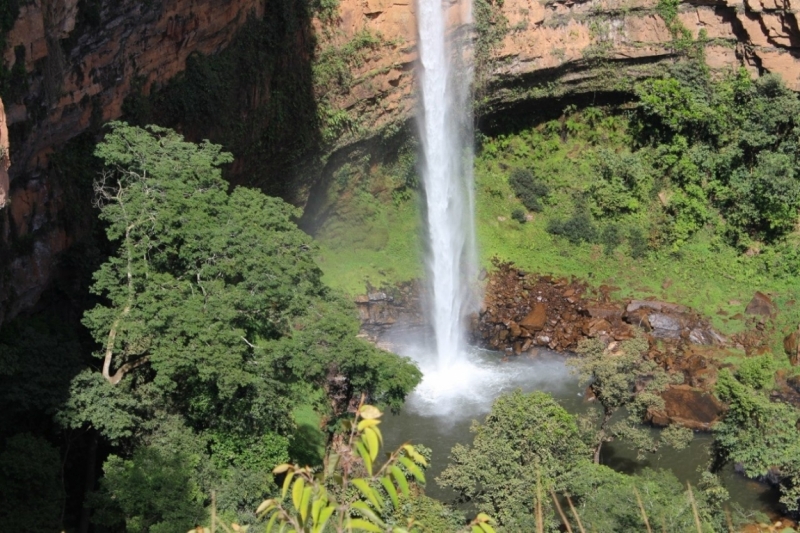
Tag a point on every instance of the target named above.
point(524, 437)
point(757, 433)
point(215, 325)
point(612, 377)
point(31, 491)
point(529, 191)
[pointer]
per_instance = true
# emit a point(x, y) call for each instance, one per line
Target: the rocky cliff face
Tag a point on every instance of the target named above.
point(82, 58)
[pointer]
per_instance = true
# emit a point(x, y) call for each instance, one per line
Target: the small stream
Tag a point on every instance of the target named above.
point(438, 414)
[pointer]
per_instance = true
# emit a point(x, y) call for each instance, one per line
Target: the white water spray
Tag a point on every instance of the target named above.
point(446, 135)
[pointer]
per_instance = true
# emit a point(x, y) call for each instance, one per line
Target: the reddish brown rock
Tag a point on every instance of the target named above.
point(761, 305)
point(687, 407)
point(535, 320)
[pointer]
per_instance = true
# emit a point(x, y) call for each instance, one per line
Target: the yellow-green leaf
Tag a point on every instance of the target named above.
point(362, 451)
point(483, 517)
point(280, 469)
point(304, 501)
point(324, 516)
point(316, 507)
point(476, 529)
point(367, 423)
point(418, 458)
point(271, 522)
point(368, 493)
point(297, 492)
point(365, 509)
point(401, 479)
point(369, 412)
point(372, 443)
point(387, 484)
point(286, 483)
point(486, 528)
point(265, 505)
point(358, 524)
point(413, 468)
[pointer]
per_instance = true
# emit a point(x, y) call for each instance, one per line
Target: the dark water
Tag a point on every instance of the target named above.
point(439, 414)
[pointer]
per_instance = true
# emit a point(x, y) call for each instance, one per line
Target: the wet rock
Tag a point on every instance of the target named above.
point(760, 305)
point(688, 407)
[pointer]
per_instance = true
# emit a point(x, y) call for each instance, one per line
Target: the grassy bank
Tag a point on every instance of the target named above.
point(374, 233)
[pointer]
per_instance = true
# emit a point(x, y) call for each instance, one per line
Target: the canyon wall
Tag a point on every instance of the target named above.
point(73, 63)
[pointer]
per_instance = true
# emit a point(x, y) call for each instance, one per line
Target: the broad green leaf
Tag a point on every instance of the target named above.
point(372, 443)
point(271, 523)
point(387, 484)
point(280, 469)
point(486, 527)
point(367, 511)
point(368, 493)
point(365, 455)
point(286, 483)
point(413, 468)
point(400, 478)
point(265, 505)
point(356, 524)
point(415, 455)
point(368, 423)
point(324, 516)
point(476, 529)
point(316, 507)
point(304, 501)
point(297, 492)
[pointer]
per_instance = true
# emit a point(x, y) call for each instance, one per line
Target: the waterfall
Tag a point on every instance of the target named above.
point(446, 135)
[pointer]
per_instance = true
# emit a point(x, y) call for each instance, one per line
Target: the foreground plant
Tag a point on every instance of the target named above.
point(350, 493)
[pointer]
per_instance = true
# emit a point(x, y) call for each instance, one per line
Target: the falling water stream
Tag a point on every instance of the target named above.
point(445, 124)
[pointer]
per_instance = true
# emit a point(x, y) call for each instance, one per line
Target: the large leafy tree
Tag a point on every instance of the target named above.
point(213, 311)
point(757, 433)
point(527, 439)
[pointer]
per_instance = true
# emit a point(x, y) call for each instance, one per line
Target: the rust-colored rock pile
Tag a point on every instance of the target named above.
point(522, 311)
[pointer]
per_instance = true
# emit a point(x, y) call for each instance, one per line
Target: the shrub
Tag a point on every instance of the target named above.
point(637, 242)
point(519, 215)
point(576, 229)
point(610, 238)
point(529, 190)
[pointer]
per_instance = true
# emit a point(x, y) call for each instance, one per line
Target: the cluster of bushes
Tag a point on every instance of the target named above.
point(721, 155)
point(528, 189)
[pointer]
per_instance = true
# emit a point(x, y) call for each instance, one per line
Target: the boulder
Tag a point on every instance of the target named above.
point(665, 326)
point(655, 305)
point(536, 319)
point(760, 305)
point(688, 407)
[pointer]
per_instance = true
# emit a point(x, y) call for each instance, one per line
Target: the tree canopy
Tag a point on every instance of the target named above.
point(213, 321)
